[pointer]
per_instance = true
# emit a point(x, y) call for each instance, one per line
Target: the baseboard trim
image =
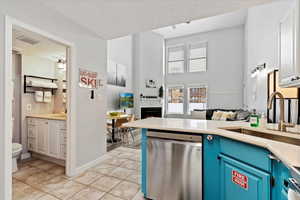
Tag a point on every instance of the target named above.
point(89, 165)
point(25, 156)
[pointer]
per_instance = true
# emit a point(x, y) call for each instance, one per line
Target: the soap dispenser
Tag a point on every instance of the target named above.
point(254, 119)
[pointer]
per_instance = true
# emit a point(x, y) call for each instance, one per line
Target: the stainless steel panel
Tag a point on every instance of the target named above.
point(175, 136)
point(174, 170)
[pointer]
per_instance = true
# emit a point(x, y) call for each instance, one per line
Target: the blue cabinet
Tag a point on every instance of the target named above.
point(241, 181)
point(281, 175)
point(235, 170)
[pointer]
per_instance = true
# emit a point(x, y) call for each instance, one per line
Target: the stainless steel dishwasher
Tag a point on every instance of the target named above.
point(174, 169)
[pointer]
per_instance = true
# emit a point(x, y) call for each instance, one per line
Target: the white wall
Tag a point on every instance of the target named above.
point(225, 61)
point(90, 54)
point(148, 51)
point(261, 40)
point(37, 66)
point(120, 51)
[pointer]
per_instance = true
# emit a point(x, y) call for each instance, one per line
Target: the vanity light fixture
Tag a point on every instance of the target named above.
point(258, 69)
point(61, 64)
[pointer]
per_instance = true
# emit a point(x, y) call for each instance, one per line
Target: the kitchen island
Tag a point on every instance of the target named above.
point(239, 162)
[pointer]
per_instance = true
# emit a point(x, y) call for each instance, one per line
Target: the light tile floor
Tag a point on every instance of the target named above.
point(117, 177)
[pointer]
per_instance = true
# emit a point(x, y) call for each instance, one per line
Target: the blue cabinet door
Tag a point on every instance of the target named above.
point(241, 181)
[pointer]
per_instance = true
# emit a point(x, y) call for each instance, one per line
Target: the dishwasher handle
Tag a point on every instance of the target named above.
point(171, 141)
point(175, 136)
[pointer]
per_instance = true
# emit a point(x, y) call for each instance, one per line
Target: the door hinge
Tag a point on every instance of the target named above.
point(272, 181)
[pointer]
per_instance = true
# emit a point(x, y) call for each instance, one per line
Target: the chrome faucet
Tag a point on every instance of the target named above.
point(282, 125)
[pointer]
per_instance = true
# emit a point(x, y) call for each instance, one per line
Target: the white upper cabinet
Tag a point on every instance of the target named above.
point(289, 48)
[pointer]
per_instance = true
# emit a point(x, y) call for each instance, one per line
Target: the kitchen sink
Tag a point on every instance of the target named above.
point(264, 134)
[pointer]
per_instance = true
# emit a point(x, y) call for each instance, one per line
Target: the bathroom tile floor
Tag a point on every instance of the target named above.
point(117, 177)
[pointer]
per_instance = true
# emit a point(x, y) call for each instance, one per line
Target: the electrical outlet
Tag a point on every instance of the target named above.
point(28, 107)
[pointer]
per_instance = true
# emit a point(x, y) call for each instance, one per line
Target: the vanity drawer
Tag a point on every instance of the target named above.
point(31, 121)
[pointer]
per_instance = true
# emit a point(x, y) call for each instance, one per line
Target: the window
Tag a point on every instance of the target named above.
point(197, 98)
point(197, 57)
point(175, 60)
point(175, 100)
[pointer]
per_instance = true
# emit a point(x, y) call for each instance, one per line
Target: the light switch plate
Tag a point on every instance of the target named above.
point(28, 107)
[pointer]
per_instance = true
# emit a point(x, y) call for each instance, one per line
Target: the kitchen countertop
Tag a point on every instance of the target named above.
point(57, 116)
point(289, 154)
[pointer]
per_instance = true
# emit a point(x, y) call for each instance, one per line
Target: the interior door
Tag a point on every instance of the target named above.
point(241, 181)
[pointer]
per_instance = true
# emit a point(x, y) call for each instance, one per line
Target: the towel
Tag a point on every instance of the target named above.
point(39, 96)
point(47, 97)
point(64, 97)
point(36, 83)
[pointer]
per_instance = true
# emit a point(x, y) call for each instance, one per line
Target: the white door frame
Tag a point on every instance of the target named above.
point(71, 100)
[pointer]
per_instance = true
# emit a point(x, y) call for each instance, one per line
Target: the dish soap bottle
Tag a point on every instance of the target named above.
point(254, 119)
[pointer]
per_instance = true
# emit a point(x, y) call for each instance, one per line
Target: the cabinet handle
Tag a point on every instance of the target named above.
point(209, 137)
point(294, 185)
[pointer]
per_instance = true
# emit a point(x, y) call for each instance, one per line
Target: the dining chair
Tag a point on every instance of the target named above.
point(130, 130)
point(120, 129)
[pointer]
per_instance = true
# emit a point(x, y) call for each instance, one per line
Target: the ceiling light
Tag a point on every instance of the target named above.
point(61, 64)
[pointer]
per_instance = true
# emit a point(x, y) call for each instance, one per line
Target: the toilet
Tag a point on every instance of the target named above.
point(16, 151)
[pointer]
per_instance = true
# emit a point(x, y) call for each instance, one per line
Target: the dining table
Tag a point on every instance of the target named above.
point(113, 119)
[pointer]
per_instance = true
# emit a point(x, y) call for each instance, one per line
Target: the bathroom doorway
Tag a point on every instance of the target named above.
point(39, 104)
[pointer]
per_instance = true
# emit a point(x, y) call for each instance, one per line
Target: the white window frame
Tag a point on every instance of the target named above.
point(186, 47)
point(167, 96)
point(183, 46)
point(188, 52)
point(188, 112)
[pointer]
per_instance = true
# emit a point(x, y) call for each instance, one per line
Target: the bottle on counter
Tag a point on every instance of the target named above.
point(263, 121)
point(254, 119)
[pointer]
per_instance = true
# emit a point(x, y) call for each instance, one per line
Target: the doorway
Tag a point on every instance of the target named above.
point(20, 85)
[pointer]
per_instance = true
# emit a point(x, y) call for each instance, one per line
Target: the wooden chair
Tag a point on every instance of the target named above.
point(120, 129)
point(130, 130)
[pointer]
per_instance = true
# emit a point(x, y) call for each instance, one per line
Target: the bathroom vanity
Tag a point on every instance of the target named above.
point(237, 162)
point(46, 135)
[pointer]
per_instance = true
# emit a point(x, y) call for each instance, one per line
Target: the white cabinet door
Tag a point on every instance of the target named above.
point(31, 137)
point(63, 140)
point(288, 48)
point(42, 136)
point(54, 138)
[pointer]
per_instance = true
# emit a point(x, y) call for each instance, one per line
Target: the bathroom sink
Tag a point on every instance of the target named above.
point(264, 134)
